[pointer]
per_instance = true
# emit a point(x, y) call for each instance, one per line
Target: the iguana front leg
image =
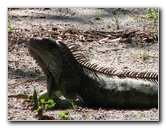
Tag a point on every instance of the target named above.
point(69, 87)
point(66, 94)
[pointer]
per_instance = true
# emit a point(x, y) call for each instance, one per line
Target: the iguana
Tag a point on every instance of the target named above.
point(70, 73)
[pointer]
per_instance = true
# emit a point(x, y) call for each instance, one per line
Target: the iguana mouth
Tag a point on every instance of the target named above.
point(33, 40)
point(36, 42)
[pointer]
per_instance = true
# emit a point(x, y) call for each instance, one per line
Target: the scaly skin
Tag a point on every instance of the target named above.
point(65, 74)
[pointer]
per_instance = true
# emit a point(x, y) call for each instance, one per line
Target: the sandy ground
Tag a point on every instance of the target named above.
point(23, 71)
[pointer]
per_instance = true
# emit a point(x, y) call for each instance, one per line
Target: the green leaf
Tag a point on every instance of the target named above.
point(37, 110)
point(46, 106)
point(42, 100)
point(51, 101)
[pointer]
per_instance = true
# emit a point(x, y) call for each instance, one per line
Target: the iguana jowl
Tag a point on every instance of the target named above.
point(88, 84)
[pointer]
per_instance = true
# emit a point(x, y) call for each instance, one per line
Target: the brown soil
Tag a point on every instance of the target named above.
point(136, 53)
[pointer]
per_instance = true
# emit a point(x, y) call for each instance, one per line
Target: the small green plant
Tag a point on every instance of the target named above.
point(153, 37)
point(116, 22)
point(10, 27)
point(153, 14)
point(72, 104)
point(140, 117)
point(64, 115)
point(144, 55)
point(97, 16)
point(49, 104)
point(44, 105)
point(41, 104)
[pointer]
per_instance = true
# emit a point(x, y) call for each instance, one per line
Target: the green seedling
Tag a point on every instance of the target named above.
point(97, 16)
point(72, 104)
point(43, 104)
point(116, 22)
point(140, 117)
point(64, 115)
point(153, 14)
point(153, 37)
point(10, 27)
point(145, 55)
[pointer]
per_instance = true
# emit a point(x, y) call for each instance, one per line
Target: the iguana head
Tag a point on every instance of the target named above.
point(47, 54)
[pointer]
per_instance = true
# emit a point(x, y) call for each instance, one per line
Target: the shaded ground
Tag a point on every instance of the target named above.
point(137, 54)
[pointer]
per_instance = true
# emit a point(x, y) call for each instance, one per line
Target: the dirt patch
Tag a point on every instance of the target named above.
point(137, 53)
